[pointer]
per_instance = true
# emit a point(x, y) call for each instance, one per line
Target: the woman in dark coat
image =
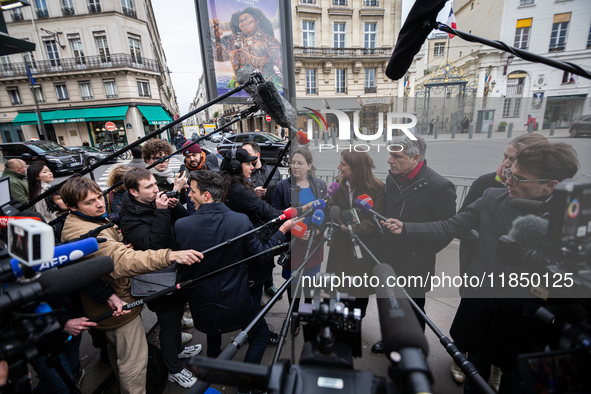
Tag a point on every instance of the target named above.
point(357, 178)
point(308, 189)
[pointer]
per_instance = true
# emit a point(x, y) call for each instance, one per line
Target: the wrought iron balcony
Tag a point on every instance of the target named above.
point(41, 14)
point(67, 11)
point(339, 2)
point(371, 3)
point(342, 52)
point(81, 63)
point(17, 17)
point(130, 12)
point(308, 1)
point(371, 89)
point(94, 8)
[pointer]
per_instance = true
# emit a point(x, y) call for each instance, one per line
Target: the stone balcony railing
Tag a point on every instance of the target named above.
point(313, 52)
point(82, 63)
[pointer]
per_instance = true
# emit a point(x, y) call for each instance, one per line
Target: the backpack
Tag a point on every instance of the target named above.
point(157, 374)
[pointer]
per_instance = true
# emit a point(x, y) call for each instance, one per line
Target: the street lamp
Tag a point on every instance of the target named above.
point(509, 61)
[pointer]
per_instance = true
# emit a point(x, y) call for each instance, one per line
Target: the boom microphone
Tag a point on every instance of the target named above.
point(4, 220)
point(278, 108)
point(413, 34)
point(55, 283)
point(62, 254)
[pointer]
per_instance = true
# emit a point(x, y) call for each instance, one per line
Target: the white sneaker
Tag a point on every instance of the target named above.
point(185, 337)
point(184, 378)
point(187, 322)
point(190, 351)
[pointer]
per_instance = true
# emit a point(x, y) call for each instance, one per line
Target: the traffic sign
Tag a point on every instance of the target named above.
point(110, 126)
point(268, 118)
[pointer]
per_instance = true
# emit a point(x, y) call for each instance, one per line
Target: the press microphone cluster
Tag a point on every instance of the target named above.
point(317, 220)
point(318, 204)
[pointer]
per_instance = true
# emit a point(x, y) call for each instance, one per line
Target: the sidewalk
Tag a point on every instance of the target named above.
point(440, 306)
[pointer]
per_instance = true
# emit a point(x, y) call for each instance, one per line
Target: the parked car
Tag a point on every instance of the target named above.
point(90, 155)
point(580, 126)
point(271, 145)
point(58, 158)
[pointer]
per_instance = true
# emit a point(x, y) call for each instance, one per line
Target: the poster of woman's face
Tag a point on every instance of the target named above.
point(244, 33)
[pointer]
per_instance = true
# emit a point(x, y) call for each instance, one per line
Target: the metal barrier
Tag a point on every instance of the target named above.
point(462, 183)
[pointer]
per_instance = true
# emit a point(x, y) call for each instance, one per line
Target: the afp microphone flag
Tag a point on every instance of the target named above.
point(451, 21)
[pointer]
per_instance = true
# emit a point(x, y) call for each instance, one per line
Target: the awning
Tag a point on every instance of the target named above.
point(344, 104)
point(73, 115)
point(315, 104)
point(154, 115)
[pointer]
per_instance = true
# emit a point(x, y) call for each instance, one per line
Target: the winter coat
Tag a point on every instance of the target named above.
point(211, 163)
point(136, 163)
point(341, 258)
point(242, 199)
point(114, 200)
point(283, 199)
point(223, 301)
point(128, 263)
point(260, 175)
point(146, 227)
point(41, 206)
point(427, 197)
point(19, 188)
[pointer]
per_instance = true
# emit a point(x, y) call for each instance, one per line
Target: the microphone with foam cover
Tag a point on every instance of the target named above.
point(277, 107)
point(366, 198)
point(366, 208)
point(530, 231)
point(302, 138)
point(299, 229)
point(413, 34)
point(63, 254)
point(317, 204)
point(54, 283)
point(331, 190)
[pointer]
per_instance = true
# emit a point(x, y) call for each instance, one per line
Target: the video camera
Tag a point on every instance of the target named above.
point(29, 327)
point(553, 251)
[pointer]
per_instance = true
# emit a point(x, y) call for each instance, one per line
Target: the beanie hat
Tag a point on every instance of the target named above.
point(195, 148)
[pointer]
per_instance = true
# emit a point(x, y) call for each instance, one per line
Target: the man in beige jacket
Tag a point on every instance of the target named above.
point(128, 349)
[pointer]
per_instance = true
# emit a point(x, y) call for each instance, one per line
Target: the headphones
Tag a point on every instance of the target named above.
point(235, 165)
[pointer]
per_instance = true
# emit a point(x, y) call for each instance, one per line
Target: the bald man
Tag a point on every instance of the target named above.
point(16, 171)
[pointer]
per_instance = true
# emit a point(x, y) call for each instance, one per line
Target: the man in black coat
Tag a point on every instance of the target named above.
point(195, 160)
point(495, 330)
point(225, 297)
point(259, 175)
point(147, 220)
point(415, 193)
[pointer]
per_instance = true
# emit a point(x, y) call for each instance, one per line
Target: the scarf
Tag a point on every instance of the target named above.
point(199, 166)
point(167, 174)
point(410, 176)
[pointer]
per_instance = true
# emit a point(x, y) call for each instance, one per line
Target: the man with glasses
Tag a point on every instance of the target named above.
point(495, 330)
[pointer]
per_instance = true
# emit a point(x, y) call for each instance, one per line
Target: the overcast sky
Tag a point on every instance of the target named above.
point(177, 24)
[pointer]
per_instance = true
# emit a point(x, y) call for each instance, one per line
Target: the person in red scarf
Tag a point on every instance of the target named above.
point(196, 160)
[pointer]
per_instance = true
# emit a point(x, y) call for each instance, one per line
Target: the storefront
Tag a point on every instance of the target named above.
point(563, 110)
point(154, 117)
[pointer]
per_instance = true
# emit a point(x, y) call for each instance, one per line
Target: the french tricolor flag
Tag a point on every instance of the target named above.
point(451, 21)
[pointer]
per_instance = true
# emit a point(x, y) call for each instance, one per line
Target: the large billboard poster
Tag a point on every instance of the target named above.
point(237, 33)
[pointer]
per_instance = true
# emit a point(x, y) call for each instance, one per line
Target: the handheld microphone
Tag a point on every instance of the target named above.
point(287, 214)
point(331, 190)
point(55, 283)
point(317, 220)
point(365, 208)
point(347, 219)
point(299, 229)
point(413, 34)
point(318, 204)
point(4, 220)
point(63, 254)
point(302, 138)
point(366, 198)
point(401, 332)
point(335, 214)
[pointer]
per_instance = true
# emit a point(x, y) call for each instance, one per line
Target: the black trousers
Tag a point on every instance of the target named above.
point(170, 337)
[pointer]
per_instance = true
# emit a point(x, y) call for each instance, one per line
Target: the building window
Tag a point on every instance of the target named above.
point(589, 39)
point(67, 7)
point(17, 15)
point(339, 2)
point(371, 3)
point(77, 51)
point(370, 80)
point(340, 81)
point(15, 96)
point(61, 91)
point(110, 88)
point(309, 34)
point(339, 35)
point(143, 88)
point(94, 6)
point(103, 48)
point(559, 28)
point(311, 82)
point(526, 2)
point(6, 65)
point(128, 8)
point(308, 1)
point(522, 33)
point(52, 53)
point(506, 107)
point(369, 36)
point(135, 48)
point(38, 92)
point(568, 77)
point(512, 103)
point(86, 90)
point(41, 8)
point(439, 49)
point(29, 59)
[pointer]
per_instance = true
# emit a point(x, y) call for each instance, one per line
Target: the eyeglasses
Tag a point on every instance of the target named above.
point(515, 180)
point(158, 158)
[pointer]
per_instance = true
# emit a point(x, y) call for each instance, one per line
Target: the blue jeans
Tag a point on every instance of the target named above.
point(52, 382)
